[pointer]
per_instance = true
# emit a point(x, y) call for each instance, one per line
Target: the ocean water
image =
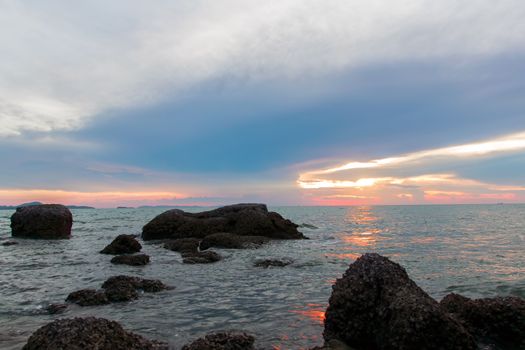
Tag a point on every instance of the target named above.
point(474, 250)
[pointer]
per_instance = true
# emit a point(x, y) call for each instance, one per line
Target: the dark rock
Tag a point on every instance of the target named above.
point(123, 244)
point(231, 241)
point(375, 305)
point(146, 285)
point(133, 260)
point(88, 297)
point(8, 243)
point(88, 333)
point(272, 262)
point(495, 322)
point(182, 245)
point(223, 341)
point(56, 308)
point(121, 293)
point(45, 221)
point(239, 219)
point(206, 257)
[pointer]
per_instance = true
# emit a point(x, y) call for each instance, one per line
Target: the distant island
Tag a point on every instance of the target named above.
point(13, 207)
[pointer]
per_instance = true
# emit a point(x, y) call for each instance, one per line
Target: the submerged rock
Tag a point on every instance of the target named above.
point(133, 260)
point(239, 219)
point(122, 244)
point(88, 333)
point(146, 285)
point(88, 297)
point(231, 241)
point(8, 243)
point(496, 323)
point(45, 221)
point(53, 309)
point(206, 257)
point(182, 245)
point(116, 289)
point(375, 305)
point(223, 341)
point(272, 263)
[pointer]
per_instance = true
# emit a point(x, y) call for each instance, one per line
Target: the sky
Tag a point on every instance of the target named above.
point(289, 102)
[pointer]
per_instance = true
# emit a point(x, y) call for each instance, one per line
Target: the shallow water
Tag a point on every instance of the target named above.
point(474, 250)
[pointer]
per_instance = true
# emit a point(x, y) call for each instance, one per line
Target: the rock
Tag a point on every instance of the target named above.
point(146, 285)
point(272, 262)
point(223, 341)
point(123, 244)
point(239, 219)
point(497, 322)
point(375, 305)
point(8, 243)
point(88, 333)
point(133, 260)
point(53, 309)
point(231, 241)
point(206, 257)
point(45, 221)
point(182, 245)
point(121, 293)
point(88, 297)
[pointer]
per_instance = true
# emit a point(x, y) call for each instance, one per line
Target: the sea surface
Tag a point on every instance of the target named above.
point(475, 250)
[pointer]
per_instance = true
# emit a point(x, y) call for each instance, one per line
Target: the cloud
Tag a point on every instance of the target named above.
point(405, 177)
point(64, 64)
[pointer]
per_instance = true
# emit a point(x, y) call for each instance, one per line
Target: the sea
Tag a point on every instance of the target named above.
point(474, 250)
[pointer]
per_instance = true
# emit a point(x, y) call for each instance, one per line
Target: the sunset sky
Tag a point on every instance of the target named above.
point(307, 102)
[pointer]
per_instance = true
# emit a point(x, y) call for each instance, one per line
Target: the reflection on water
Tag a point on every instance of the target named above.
point(473, 250)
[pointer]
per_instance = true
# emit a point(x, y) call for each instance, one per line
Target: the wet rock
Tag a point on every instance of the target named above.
point(121, 293)
point(53, 309)
point(272, 263)
point(239, 219)
point(231, 241)
point(311, 227)
point(133, 260)
point(375, 305)
point(182, 245)
point(496, 323)
point(88, 297)
point(45, 221)
point(88, 333)
point(223, 341)
point(206, 257)
point(122, 244)
point(146, 285)
point(8, 243)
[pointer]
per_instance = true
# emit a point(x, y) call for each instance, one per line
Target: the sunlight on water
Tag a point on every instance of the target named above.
point(473, 250)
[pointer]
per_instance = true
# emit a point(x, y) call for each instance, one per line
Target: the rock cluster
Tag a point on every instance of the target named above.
point(238, 219)
point(375, 305)
point(495, 322)
point(189, 250)
point(223, 341)
point(231, 241)
point(45, 221)
point(122, 244)
point(88, 333)
point(116, 289)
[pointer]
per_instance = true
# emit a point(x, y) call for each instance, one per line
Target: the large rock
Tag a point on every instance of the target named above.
point(223, 341)
point(375, 305)
point(45, 221)
point(88, 297)
point(239, 219)
point(497, 323)
point(88, 333)
point(231, 241)
point(183, 245)
point(147, 285)
point(122, 244)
